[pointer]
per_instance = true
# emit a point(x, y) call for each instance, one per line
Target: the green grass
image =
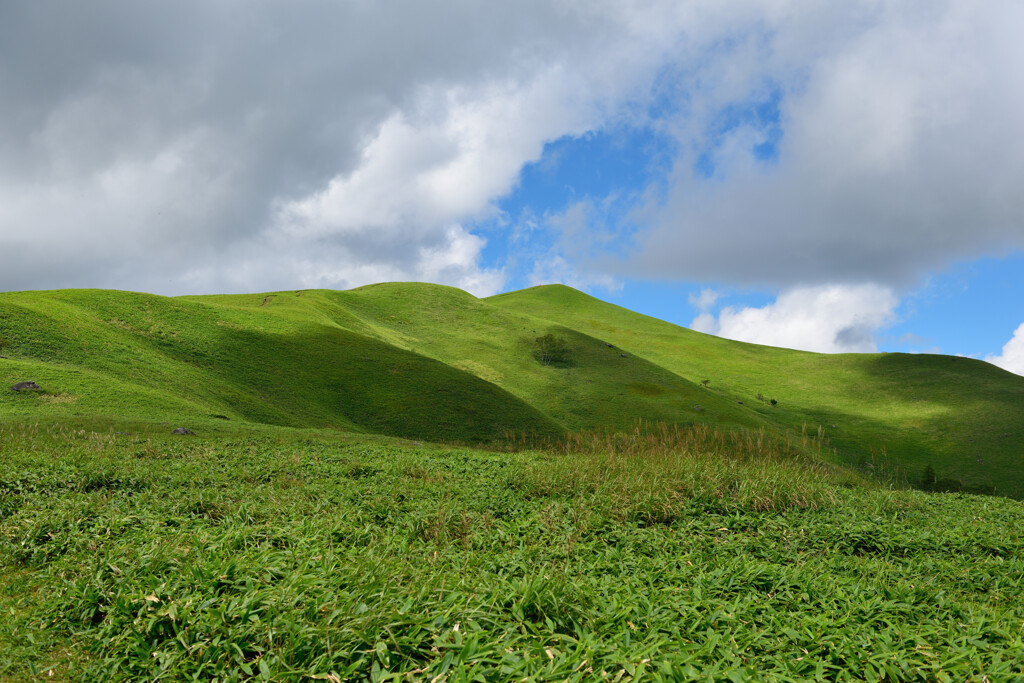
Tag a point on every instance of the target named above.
point(962, 416)
point(629, 522)
point(434, 363)
point(274, 553)
point(140, 356)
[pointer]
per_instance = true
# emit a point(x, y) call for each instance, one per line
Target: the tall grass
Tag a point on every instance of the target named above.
point(652, 555)
point(653, 474)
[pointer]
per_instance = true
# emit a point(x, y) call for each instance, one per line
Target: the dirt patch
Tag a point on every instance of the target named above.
point(58, 398)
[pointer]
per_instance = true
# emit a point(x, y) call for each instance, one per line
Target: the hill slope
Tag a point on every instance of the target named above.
point(433, 362)
point(141, 356)
point(962, 416)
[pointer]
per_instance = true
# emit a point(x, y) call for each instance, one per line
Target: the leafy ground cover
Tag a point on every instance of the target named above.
point(285, 554)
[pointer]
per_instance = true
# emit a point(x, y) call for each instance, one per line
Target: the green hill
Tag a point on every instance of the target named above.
point(301, 536)
point(962, 416)
point(435, 363)
point(137, 356)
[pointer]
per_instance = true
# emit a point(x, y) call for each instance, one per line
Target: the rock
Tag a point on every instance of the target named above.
point(24, 385)
point(183, 431)
point(624, 355)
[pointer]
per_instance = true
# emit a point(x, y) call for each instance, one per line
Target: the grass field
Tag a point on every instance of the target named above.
point(274, 553)
point(398, 483)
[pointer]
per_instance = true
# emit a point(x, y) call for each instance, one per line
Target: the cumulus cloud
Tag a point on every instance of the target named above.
point(850, 142)
point(827, 319)
point(202, 146)
point(705, 300)
point(196, 146)
point(1012, 356)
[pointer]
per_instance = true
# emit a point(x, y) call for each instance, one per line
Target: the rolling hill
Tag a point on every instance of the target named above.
point(435, 363)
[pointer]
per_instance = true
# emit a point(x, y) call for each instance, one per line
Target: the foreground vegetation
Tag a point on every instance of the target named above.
point(672, 554)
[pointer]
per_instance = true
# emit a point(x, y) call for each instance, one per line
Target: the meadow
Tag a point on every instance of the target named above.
point(661, 554)
point(403, 482)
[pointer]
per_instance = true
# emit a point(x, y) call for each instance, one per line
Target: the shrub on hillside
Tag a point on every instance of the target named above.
point(928, 479)
point(552, 350)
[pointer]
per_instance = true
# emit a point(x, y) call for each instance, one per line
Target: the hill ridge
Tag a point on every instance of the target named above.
point(433, 362)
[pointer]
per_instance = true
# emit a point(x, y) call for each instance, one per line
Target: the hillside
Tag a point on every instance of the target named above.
point(136, 356)
point(962, 416)
point(303, 535)
point(435, 363)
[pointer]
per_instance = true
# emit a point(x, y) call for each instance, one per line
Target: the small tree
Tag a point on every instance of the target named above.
point(552, 350)
point(928, 479)
point(705, 383)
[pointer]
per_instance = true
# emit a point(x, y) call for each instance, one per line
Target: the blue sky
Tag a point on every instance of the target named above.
point(969, 308)
point(835, 177)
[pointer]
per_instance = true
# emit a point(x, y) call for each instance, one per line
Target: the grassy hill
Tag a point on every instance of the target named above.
point(137, 356)
point(962, 416)
point(435, 363)
point(303, 535)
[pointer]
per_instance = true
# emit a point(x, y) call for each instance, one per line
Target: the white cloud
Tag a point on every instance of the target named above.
point(452, 257)
point(706, 300)
point(445, 160)
point(901, 146)
point(1012, 357)
point(326, 143)
point(160, 147)
point(827, 319)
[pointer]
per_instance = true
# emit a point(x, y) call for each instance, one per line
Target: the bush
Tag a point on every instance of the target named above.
point(928, 479)
point(552, 350)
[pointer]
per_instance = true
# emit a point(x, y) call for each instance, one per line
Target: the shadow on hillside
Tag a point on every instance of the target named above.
point(968, 427)
point(321, 375)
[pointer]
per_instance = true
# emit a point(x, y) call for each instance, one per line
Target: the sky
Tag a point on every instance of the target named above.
point(835, 177)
